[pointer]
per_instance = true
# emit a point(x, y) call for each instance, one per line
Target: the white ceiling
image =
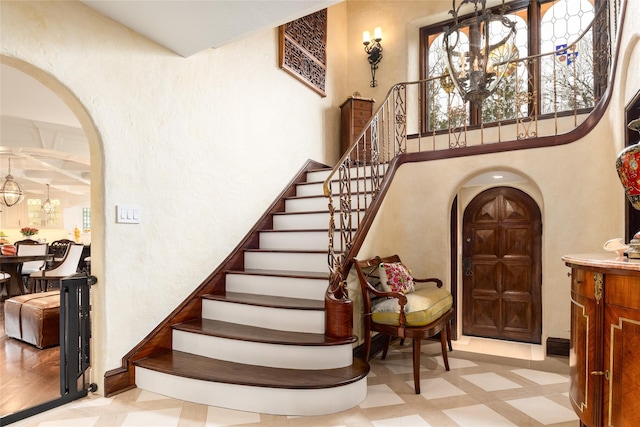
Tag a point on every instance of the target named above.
point(188, 27)
point(43, 137)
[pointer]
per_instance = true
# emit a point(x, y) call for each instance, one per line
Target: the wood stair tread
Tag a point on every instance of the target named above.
point(287, 251)
point(354, 209)
point(206, 369)
point(267, 301)
point(237, 331)
point(300, 230)
point(282, 273)
point(319, 196)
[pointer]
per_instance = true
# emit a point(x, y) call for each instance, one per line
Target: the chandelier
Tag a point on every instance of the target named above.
point(47, 206)
point(479, 50)
point(11, 193)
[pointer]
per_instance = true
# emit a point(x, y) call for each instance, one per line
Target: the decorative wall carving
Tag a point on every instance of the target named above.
point(303, 45)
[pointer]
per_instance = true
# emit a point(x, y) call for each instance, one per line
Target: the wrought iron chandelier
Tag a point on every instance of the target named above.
point(11, 193)
point(479, 50)
point(47, 206)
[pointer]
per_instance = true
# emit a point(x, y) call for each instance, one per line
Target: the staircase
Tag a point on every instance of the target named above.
point(261, 345)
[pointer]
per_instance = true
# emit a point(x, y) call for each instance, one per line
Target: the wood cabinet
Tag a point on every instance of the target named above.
point(605, 340)
point(355, 113)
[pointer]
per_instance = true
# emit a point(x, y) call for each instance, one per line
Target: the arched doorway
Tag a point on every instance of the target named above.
point(35, 401)
point(501, 267)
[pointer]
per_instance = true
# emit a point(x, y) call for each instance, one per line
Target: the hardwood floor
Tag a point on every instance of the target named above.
point(29, 376)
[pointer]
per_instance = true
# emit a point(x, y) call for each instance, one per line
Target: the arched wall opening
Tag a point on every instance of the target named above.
point(97, 196)
point(469, 187)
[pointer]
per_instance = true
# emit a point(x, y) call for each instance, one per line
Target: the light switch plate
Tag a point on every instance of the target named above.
point(127, 214)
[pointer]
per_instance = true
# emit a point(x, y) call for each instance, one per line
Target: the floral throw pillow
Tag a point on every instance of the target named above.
point(395, 277)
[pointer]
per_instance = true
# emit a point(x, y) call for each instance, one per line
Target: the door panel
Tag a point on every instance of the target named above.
point(502, 277)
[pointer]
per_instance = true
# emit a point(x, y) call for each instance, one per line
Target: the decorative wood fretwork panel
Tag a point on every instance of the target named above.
point(303, 49)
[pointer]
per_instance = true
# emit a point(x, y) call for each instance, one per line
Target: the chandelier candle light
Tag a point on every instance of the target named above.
point(47, 206)
point(477, 63)
point(11, 193)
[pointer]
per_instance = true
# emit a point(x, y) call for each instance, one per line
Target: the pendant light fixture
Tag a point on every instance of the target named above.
point(47, 206)
point(11, 193)
point(479, 50)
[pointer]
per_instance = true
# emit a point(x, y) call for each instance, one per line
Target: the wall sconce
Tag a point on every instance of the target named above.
point(374, 50)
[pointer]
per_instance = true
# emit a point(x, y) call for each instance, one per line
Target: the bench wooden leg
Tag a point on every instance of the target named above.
point(385, 350)
point(416, 364)
point(443, 344)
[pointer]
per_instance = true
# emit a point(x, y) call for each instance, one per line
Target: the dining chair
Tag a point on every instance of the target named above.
point(30, 247)
point(397, 305)
point(4, 279)
point(47, 278)
point(58, 248)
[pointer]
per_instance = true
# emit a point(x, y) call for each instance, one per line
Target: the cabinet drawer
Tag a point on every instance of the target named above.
point(358, 124)
point(361, 115)
point(361, 105)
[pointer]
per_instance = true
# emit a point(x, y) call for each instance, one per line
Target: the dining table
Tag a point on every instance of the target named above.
point(10, 264)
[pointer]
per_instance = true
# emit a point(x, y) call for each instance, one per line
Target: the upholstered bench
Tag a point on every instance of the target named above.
point(34, 318)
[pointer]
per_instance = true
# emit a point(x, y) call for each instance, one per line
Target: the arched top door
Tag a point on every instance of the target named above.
point(502, 235)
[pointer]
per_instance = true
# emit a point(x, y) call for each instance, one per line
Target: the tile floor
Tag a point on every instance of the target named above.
point(480, 390)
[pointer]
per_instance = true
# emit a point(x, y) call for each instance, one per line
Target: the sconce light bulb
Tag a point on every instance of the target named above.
point(366, 38)
point(377, 34)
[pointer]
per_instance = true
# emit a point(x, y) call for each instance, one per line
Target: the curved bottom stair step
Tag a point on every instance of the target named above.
point(256, 334)
point(253, 388)
point(261, 346)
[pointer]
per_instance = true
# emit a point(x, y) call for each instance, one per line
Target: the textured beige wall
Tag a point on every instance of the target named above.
point(201, 144)
point(576, 185)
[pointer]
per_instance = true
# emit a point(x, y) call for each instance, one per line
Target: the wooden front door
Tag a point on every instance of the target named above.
point(501, 266)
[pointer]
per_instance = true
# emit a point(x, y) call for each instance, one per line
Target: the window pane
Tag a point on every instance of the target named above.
point(86, 220)
point(446, 108)
point(38, 218)
point(511, 96)
point(34, 207)
point(567, 77)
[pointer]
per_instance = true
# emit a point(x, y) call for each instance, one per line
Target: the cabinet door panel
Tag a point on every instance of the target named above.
point(582, 389)
point(622, 395)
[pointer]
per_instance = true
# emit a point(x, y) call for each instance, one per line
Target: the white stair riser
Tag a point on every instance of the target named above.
point(296, 241)
point(311, 221)
point(361, 171)
point(292, 287)
point(317, 188)
point(286, 261)
point(263, 400)
point(264, 354)
point(320, 175)
point(280, 319)
point(313, 204)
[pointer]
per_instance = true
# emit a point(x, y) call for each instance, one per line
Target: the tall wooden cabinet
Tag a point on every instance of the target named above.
point(605, 339)
point(355, 113)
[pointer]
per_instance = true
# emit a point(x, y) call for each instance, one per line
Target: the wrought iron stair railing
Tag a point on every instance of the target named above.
point(403, 123)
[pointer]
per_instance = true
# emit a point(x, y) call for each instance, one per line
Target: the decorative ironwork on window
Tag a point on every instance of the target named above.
point(559, 68)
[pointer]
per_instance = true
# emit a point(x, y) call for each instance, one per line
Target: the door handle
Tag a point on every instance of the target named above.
point(605, 373)
point(466, 266)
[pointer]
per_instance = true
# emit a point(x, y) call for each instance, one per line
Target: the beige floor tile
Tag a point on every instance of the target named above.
point(475, 392)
